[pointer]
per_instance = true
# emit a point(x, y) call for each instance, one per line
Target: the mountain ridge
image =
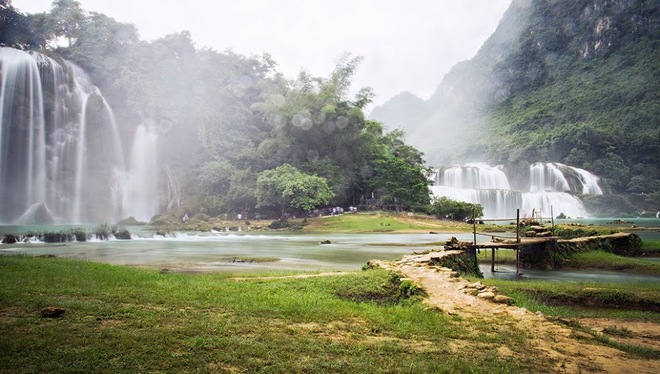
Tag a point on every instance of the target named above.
point(573, 82)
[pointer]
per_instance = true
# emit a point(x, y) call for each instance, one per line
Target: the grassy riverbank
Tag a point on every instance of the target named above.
point(121, 319)
point(385, 222)
point(599, 260)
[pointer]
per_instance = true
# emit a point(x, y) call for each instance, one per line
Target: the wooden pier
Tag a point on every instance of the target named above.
point(539, 238)
point(541, 235)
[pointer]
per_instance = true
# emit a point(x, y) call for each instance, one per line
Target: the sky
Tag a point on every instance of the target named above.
point(407, 45)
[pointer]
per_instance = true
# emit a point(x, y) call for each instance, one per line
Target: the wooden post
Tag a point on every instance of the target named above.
point(492, 260)
point(552, 216)
point(518, 242)
point(474, 227)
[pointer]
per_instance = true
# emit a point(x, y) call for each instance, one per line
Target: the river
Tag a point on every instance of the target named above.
point(280, 251)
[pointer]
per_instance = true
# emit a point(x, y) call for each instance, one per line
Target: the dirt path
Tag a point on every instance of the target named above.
point(569, 351)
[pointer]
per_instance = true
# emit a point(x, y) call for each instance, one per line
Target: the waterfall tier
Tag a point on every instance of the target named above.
point(551, 188)
point(60, 146)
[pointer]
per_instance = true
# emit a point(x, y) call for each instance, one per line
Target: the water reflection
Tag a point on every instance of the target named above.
point(509, 272)
point(216, 251)
point(195, 251)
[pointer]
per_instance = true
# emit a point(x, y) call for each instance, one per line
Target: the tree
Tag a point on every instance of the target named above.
point(400, 183)
point(445, 207)
point(15, 28)
point(65, 20)
point(286, 186)
point(396, 173)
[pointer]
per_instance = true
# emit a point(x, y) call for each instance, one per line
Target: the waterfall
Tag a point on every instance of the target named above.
point(556, 177)
point(142, 176)
point(476, 175)
point(551, 188)
point(60, 146)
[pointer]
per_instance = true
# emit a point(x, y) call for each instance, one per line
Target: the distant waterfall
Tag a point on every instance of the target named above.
point(60, 147)
point(556, 177)
point(142, 175)
point(551, 187)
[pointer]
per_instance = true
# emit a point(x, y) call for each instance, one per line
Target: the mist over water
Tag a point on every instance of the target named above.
point(62, 155)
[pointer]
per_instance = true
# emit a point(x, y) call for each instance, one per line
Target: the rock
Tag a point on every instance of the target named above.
point(52, 312)
point(501, 299)
point(326, 242)
point(476, 285)
point(486, 295)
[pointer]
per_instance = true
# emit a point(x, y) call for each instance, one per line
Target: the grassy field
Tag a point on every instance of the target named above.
point(121, 319)
point(384, 222)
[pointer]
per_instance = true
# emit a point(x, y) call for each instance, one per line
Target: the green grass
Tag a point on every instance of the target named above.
point(628, 300)
point(502, 256)
point(585, 260)
point(610, 261)
point(651, 247)
point(121, 319)
point(384, 222)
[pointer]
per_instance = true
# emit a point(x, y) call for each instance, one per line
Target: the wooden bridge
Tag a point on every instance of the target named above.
point(539, 236)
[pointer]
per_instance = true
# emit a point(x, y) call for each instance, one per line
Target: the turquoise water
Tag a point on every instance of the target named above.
point(216, 251)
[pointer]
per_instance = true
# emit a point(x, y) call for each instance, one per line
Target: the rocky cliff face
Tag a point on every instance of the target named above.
point(550, 70)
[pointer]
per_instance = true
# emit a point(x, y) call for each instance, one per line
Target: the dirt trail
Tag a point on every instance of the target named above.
point(570, 351)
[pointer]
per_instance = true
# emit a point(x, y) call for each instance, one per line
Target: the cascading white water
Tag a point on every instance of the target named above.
point(489, 186)
point(556, 177)
point(142, 176)
point(475, 175)
point(60, 146)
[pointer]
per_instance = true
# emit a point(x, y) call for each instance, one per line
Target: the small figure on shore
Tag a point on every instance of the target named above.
point(185, 218)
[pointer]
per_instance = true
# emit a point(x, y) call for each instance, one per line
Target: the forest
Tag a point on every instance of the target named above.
point(571, 82)
point(238, 136)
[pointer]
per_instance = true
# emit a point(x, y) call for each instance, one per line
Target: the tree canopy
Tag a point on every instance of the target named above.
point(287, 187)
point(235, 133)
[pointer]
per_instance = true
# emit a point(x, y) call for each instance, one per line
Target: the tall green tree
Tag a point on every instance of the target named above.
point(287, 187)
point(66, 19)
point(398, 176)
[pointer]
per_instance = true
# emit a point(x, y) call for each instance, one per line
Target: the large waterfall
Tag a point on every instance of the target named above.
point(62, 157)
point(551, 189)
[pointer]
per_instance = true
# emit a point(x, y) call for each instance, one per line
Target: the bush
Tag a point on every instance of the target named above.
point(445, 207)
point(102, 232)
point(276, 225)
point(121, 233)
point(380, 287)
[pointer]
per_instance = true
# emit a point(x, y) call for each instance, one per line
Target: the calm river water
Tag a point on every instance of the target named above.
point(216, 251)
point(220, 251)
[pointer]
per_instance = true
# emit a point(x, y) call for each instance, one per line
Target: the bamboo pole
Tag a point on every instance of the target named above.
point(518, 241)
point(474, 227)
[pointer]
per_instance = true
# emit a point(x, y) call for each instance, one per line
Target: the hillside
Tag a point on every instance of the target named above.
point(573, 82)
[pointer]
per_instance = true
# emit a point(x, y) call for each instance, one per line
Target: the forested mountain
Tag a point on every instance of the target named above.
point(576, 82)
point(221, 120)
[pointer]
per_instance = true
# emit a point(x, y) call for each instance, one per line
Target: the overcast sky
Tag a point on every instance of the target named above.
point(407, 45)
